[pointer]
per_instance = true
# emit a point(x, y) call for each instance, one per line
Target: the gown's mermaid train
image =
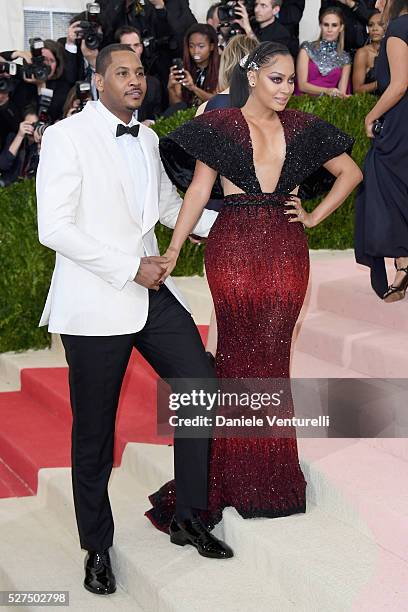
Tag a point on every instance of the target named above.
point(257, 266)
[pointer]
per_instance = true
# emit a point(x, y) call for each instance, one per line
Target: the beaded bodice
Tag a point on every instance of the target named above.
point(221, 139)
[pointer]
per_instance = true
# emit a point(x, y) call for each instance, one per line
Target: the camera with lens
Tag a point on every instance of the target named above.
point(83, 93)
point(11, 69)
point(38, 69)
point(44, 103)
point(227, 14)
point(228, 18)
point(89, 29)
point(226, 11)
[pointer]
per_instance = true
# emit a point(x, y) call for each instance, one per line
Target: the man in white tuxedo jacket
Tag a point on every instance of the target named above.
point(101, 188)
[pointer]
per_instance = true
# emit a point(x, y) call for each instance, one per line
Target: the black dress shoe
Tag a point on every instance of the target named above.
point(99, 578)
point(192, 531)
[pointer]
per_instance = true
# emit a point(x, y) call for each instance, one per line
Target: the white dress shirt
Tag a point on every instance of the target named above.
point(132, 154)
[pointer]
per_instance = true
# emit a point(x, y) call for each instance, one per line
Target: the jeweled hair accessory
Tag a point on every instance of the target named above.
point(251, 66)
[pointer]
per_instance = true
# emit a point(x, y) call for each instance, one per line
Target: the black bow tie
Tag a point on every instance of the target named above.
point(124, 129)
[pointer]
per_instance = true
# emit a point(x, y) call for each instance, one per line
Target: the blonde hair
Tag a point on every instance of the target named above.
point(238, 46)
point(333, 10)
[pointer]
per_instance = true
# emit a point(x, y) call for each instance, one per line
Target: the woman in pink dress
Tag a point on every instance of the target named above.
point(323, 67)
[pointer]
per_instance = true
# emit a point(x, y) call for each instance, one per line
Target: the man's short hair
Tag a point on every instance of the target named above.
point(211, 10)
point(104, 57)
point(127, 30)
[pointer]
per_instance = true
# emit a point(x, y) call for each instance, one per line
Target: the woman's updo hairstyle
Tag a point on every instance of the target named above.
point(239, 88)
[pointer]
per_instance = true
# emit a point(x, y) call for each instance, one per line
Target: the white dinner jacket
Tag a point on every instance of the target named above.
point(85, 215)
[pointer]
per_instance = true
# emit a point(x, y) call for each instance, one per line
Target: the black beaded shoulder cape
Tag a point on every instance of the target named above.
point(221, 139)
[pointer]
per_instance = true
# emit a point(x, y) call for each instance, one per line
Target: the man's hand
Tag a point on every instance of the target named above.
point(151, 272)
point(89, 54)
point(25, 55)
point(240, 10)
point(72, 33)
point(25, 129)
point(350, 3)
point(158, 4)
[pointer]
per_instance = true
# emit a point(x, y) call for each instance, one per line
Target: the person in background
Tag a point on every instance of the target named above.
point(28, 90)
point(266, 26)
point(79, 60)
point(72, 103)
point(237, 47)
point(151, 107)
point(212, 18)
point(290, 16)
point(152, 20)
point(197, 81)
point(180, 18)
point(364, 79)
point(323, 67)
point(20, 154)
point(381, 225)
point(10, 114)
point(356, 15)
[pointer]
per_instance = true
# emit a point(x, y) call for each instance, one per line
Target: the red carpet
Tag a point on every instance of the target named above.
point(36, 422)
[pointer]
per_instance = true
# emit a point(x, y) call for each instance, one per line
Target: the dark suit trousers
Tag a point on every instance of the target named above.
point(171, 343)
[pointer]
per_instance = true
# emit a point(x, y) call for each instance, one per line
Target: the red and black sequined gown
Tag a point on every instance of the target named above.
point(257, 266)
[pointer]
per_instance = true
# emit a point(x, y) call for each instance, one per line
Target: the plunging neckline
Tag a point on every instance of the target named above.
point(251, 146)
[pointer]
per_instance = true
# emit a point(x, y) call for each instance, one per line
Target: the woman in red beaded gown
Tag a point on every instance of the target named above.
point(259, 157)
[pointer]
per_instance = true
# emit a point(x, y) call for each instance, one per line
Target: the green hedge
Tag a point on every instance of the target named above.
point(26, 266)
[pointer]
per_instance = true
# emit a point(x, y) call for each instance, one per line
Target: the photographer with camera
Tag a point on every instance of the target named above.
point(226, 30)
point(151, 107)
point(194, 78)
point(43, 66)
point(162, 24)
point(77, 97)
point(20, 154)
point(266, 27)
point(10, 114)
point(84, 40)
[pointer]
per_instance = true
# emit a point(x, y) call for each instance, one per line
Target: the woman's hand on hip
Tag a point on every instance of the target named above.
point(299, 215)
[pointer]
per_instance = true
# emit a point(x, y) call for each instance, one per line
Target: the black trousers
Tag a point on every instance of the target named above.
point(171, 343)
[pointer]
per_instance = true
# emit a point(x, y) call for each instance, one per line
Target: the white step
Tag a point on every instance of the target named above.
point(353, 298)
point(364, 347)
point(326, 559)
point(348, 537)
point(160, 576)
point(347, 494)
point(11, 365)
point(37, 555)
point(156, 575)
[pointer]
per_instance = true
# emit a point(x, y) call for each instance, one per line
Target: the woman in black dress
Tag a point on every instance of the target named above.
point(382, 204)
point(364, 79)
point(260, 157)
